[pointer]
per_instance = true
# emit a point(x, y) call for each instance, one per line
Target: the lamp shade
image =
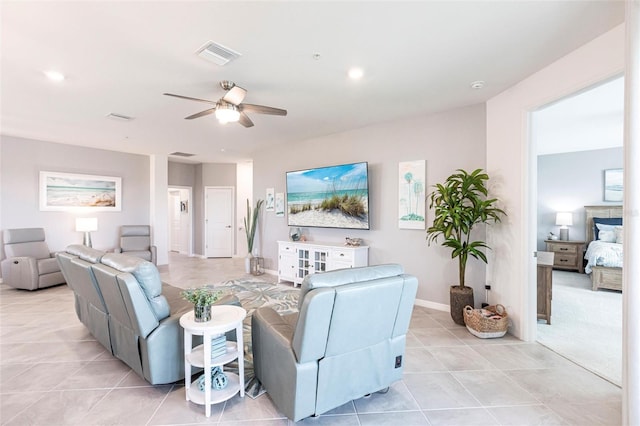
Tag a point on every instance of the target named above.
point(86, 224)
point(564, 219)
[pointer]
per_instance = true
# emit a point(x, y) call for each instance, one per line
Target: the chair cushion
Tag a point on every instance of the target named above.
point(35, 249)
point(48, 266)
point(347, 276)
point(24, 235)
point(145, 272)
point(135, 230)
point(135, 243)
point(146, 255)
point(85, 253)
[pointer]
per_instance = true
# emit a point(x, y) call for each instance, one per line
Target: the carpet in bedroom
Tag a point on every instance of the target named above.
point(586, 325)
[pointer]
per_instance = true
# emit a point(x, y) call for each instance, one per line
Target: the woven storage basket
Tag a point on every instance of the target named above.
point(481, 326)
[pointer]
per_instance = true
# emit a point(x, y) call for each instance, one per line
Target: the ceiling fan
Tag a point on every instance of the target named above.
point(230, 108)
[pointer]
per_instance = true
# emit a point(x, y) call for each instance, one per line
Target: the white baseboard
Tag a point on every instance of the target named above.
point(432, 305)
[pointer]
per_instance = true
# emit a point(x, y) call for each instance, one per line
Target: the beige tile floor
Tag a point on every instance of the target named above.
point(54, 373)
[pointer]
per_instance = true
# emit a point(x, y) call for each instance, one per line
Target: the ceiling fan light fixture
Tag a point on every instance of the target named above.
point(227, 113)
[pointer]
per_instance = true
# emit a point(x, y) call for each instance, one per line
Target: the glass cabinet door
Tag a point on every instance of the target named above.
point(304, 264)
point(320, 261)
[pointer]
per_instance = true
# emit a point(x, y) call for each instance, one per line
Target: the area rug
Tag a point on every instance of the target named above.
point(254, 294)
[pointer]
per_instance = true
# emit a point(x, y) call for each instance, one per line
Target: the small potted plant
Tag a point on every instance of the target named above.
point(202, 299)
point(461, 203)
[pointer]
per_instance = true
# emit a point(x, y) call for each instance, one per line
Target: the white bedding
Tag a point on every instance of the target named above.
point(600, 253)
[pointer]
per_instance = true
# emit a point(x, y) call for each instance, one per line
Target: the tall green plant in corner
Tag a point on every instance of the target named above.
point(459, 204)
point(251, 223)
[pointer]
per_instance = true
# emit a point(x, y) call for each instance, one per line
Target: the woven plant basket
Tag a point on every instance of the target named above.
point(486, 323)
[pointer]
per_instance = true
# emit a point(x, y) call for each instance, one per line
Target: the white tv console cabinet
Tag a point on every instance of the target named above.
point(297, 259)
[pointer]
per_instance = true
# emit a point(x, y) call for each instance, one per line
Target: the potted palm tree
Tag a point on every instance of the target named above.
point(459, 204)
point(250, 225)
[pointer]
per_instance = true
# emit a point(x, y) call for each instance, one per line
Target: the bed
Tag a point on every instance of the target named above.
point(604, 257)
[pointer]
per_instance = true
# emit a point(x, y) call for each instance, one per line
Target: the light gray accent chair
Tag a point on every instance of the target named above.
point(145, 329)
point(347, 341)
point(29, 264)
point(76, 262)
point(135, 240)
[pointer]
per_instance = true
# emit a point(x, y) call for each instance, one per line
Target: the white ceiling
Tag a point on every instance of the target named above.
point(120, 56)
point(591, 119)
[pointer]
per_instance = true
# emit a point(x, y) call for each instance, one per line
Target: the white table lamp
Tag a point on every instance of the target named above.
point(87, 225)
point(564, 219)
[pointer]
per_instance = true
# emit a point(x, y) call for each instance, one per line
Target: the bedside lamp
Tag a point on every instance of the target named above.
point(87, 225)
point(564, 219)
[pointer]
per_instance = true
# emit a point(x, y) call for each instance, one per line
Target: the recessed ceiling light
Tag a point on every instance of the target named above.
point(356, 73)
point(477, 84)
point(54, 75)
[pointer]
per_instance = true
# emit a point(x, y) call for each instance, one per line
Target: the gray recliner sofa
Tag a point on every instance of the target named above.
point(126, 307)
point(28, 265)
point(347, 340)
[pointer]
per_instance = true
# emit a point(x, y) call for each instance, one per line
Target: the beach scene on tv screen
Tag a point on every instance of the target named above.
point(330, 197)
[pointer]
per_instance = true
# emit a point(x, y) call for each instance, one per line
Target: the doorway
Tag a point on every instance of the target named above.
point(573, 140)
point(180, 220)
point(219, 219)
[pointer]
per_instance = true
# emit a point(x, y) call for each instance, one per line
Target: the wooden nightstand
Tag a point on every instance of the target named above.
point(568, 254)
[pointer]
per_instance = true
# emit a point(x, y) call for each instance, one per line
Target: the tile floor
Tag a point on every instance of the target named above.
point(54, 373)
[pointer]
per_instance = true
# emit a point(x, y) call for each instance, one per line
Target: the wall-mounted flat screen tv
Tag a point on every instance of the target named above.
point(329, 197)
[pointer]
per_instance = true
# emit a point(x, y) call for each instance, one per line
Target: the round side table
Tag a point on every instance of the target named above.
point(223, 318)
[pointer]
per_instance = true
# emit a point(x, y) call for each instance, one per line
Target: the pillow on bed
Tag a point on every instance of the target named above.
point(607, 235)
point(619, 234)
point(604, 221)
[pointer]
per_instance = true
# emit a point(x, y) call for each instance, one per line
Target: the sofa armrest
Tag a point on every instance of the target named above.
point(290, 384)
point(271, 339)
point(20, 272)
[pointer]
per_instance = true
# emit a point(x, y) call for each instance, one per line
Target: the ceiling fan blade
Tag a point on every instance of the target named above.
point(201, 114)
point(235, 95)
point(245, 120)
point(189, 99)
point(261, 109)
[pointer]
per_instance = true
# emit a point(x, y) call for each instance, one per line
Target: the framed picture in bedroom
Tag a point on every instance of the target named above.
point(68, 191)
point(613, 185)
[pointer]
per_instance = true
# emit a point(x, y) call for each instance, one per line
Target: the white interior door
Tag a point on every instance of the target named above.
point(174, 220)
point(219, 212)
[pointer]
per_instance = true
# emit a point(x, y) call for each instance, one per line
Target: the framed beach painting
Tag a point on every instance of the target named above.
point(411, 197)
point(67, 191)
point(613, 185)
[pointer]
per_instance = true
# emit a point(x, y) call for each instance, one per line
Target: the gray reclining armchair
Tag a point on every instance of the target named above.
point(29, 265)
point(135, 240)
point(348, 339)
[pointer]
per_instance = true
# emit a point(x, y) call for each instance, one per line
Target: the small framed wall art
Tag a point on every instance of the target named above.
point(613, 185)
point(411, 197)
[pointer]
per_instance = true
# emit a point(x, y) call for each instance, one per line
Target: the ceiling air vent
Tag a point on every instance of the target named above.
point(182, 154)
point(217, 53)
point(120, 117)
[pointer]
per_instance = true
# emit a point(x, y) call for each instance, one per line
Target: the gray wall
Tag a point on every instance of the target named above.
point(181, 174)
point(210, 174)
point(447, 141)
point(568, 182)
point(21, 163)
